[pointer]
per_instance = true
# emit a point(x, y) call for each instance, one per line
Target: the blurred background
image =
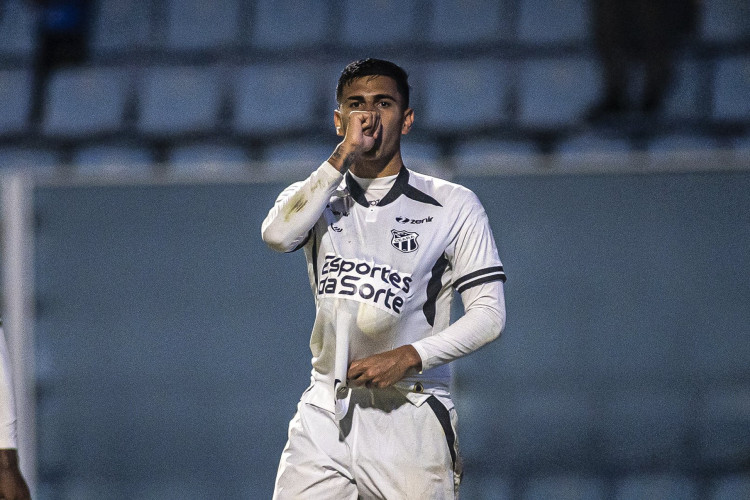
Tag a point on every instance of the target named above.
point(160, 348)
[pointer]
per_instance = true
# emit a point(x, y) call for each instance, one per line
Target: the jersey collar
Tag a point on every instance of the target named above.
point(400, 186)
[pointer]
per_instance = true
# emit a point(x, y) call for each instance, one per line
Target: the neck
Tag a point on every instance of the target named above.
point(373, 169)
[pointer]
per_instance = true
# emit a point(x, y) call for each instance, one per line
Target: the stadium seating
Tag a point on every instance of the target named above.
point(15, 100)
point(86, 102)
point(556, 92)
point(179, 100)
point(725, 21)
point(17, 30)
point(456, 23)
point(122, 26)
point(276, 99)
point(465, 94)
point(544, 22)
point(281, 25)
point(197, 25)
point(732, 80)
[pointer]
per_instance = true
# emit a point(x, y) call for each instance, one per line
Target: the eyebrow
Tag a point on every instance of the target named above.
point(376, 97)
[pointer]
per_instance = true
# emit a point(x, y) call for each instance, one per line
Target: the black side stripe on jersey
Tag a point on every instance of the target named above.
point(433, 289)
point(400, 186)
point(485, 275)
point(315, 258)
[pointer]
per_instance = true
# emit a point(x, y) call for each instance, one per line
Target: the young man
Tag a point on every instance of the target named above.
point(385, 248)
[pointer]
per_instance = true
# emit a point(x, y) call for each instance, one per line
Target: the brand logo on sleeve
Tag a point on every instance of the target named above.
point(404, 241)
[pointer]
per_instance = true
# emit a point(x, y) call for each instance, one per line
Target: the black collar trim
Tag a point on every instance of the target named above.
point(400, 186)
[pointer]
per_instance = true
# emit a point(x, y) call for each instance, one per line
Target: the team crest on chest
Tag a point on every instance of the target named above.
point(404, 241)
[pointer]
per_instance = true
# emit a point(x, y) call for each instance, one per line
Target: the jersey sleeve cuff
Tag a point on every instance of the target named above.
point(422, 355)
point(330, 171)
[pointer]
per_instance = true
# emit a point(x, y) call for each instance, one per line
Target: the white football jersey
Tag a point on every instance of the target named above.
point(383, 273)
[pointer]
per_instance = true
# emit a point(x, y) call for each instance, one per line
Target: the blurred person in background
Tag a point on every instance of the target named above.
point(12, 484)
point(386, 247)
point(633, 35)
point(62, 40)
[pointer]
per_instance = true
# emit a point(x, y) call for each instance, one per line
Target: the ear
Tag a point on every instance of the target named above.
point(338, 122)
point(408, 121)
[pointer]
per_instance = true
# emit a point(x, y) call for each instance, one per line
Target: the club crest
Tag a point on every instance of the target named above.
point(404, 241)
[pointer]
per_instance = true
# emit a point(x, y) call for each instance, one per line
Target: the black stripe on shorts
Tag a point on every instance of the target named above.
point(444, 417)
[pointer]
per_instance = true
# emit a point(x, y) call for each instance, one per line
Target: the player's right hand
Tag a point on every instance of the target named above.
point(362, 130)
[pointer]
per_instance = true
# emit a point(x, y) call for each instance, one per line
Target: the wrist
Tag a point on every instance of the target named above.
point(342, 157)
point(414, 360)
point(8, 459)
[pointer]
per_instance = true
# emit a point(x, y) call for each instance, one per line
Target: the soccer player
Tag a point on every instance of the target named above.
point(12, 484)
point(385, 248)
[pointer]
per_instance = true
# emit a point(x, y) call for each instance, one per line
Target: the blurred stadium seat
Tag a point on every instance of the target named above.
point(86, 101)
point(465, 94)
point(686, 99)
point(17, 29)
point(395, 23)
point(557, 92)
point(725, 21)
point(469, 22)
point(196, 25)
point(553, 21)
point(276, 99)
point(122, 26)
point(15, 100)
point(179, 100)
point(732, 86)
point(289, 23)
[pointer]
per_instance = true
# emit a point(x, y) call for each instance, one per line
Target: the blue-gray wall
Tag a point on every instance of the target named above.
point(172, 344)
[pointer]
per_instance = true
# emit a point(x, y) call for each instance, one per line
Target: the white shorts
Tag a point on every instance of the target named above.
point(385, 448)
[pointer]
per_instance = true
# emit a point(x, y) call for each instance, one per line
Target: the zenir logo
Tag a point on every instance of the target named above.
point(404, 241)
point(406, 220)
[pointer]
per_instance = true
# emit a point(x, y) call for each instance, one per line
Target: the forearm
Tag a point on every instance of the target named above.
point(483, 322)
point(298, 208)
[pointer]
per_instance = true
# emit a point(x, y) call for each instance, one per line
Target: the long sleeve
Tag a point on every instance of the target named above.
point(483, 321)
point(298, 207)
point(7, 400)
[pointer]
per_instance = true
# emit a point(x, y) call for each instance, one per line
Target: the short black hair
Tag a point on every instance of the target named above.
point(374, 67)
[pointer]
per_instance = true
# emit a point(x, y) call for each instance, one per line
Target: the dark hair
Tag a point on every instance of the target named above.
point(374, 67)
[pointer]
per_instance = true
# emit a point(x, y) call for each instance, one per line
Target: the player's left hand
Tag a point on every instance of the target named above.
point(12, 484)
point(384, 369)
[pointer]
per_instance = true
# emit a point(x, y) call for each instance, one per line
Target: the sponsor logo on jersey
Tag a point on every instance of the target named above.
point(404, 241)
point(376, 284)
point(406, 220)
